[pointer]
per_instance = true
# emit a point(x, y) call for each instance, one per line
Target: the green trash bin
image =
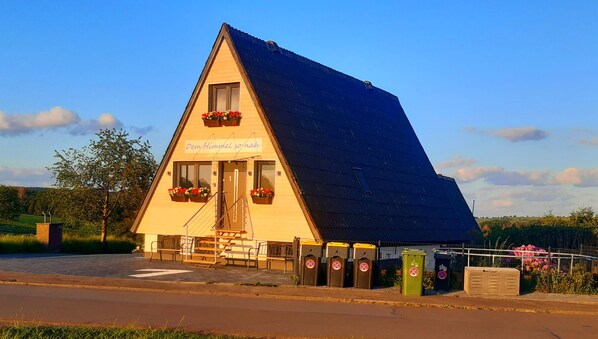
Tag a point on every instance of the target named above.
point(364, 257)
point(337, 254)
point(413, 272)
point(311, 254)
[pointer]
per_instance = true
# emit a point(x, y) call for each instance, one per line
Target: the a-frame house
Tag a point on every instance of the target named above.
point(339, 154)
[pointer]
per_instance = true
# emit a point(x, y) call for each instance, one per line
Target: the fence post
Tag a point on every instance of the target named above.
point(549, 280)
point(379, 250)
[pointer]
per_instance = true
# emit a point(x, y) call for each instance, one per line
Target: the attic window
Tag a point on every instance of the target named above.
point(224, 97)
point(272, 46)
point(361, 180)
point(368, 85)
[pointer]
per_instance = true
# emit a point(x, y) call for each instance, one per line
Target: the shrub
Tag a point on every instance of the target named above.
point(20, 244)
point(93, 245)
point(554, 281)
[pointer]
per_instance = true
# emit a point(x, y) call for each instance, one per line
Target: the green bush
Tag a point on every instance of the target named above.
point(20, 244)
point(26, 243)
point(578, 282)
point(93, 245)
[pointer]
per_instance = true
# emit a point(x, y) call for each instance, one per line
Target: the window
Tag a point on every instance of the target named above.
point(264, 174)
point(192, 174)
point(224, 97)
point(361, 180)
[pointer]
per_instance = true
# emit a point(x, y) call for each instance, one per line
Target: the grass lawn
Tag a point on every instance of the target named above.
point(80, 332)
point(25, 224)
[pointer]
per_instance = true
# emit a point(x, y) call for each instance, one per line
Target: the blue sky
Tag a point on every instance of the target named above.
point(502, 94)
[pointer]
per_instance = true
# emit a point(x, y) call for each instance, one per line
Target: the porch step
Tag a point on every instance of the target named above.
point(231, 237)
point(200, 262)
point(232, 231)
point(212, 242)
point(211, 249)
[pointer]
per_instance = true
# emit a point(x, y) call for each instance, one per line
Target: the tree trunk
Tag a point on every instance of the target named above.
point(105, 220)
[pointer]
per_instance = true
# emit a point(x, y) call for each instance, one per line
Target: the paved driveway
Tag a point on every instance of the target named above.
point(127, 266)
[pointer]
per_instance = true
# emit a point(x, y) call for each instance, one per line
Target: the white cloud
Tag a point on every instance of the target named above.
point(31, 177)
point(499, 176)
point(457, 161)
point(515, 134)
point(55, 118)
point(578, 177)
point(502, 203)
point(590, 142)
point(521, 134)
point(12, 124)
point(105, 121)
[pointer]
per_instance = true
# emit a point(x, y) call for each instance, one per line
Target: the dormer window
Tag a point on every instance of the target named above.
point(224, 97)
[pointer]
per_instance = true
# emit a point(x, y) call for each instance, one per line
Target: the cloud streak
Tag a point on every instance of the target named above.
point(25, 176)
point(55, 118)
point(517, 134)
point(501, 177)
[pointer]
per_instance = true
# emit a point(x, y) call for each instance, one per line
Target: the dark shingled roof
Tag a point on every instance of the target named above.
point(328, 124)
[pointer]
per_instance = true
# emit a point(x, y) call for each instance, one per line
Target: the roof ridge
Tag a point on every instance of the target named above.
point(310, 62)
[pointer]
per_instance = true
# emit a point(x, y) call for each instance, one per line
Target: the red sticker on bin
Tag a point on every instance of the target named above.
point(414, 271)
point(337, 265)
point(310, 263)
point(364, 267)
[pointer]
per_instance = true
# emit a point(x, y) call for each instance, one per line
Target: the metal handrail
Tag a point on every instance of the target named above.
point(187, 249)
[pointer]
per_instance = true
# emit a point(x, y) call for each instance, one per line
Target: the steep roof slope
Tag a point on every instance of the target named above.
point(330, 126)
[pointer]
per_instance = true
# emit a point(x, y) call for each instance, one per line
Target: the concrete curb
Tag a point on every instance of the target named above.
point(317, 294)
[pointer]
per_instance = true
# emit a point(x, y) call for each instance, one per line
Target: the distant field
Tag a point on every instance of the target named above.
point(25, 224)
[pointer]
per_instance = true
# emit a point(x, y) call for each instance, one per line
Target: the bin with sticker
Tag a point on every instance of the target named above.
point(364, 258)
point(413, 272)
point(337, 254)
point(442, 271)
point(311, 255)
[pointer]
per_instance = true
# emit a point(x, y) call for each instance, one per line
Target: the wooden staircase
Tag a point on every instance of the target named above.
point(211, 250)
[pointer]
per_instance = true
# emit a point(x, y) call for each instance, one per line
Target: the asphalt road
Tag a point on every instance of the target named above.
point(262, 316)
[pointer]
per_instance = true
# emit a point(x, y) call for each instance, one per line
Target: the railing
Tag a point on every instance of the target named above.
point(502, 257)
point(200, 223)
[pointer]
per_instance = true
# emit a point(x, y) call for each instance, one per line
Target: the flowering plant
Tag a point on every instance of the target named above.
point(232, 115)
point(198, 191)
point(177, 191)
point(532, 258)
point(261, 193)
point(215, 115)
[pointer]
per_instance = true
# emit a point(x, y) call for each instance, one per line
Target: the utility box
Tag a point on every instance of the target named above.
point(364, 258)
point(442, 271)
point(337, 254)
point(491, 281)
point(413, 272)
point(50, 234)
point(311, 254)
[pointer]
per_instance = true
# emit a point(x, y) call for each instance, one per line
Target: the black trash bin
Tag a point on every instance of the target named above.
point(364, 258)
point(442, 271)
point(337, 254)
point(311, 254)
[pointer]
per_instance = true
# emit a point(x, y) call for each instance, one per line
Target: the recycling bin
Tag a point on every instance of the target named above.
point(337, 254)
point(413, 272)
point(311, 254)
point(364, 258)
point(442, 271)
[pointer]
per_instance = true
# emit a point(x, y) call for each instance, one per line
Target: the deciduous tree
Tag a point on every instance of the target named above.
point(111, 172)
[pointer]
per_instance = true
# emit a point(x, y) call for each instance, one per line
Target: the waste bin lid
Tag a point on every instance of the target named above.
point(442, 255)
point(364, 246)
point(408, 251)
point(311, 242)
point(337, 244)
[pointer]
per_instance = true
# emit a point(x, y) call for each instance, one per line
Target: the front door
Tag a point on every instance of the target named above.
point(233, 187)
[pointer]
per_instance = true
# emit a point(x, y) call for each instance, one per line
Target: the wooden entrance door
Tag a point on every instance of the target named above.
point(233, 186)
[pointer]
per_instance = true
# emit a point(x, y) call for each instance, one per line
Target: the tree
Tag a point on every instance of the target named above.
point(10, 204)
point(582, 216)
point(111, 172)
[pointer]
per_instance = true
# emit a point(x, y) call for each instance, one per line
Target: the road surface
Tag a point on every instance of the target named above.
point(261, 316)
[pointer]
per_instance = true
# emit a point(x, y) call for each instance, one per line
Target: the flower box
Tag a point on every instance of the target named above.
point(211, 123)
point(198, 198)
point(262, 200)
point(178, 198)
point(232, 122)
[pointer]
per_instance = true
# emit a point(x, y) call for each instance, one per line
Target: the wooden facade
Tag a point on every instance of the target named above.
point(232, 152)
